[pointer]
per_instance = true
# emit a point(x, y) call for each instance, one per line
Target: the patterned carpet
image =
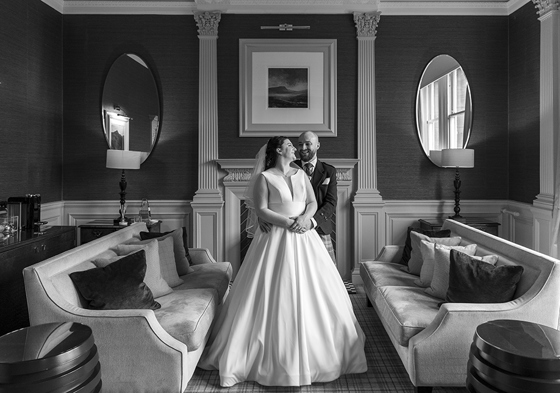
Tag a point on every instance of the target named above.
point(385, 370)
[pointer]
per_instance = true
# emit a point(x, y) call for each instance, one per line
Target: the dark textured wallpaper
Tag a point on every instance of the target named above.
point(524, 103)
point(169, 45)
point(30, 100)
point(404, 46)
point(50, 62)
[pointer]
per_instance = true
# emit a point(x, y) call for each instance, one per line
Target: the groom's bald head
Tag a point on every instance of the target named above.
point(308, 144)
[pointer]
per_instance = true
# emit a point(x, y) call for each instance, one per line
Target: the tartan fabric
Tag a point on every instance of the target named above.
point(327, 241)
point(385, 374)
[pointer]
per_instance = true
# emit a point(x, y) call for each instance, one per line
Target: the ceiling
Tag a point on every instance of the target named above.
point(387, 7)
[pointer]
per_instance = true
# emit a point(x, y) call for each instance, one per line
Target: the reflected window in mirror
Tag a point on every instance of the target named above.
point(443, 106)
point(130, 106)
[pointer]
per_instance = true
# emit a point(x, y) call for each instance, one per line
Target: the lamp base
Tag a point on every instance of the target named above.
point(119, 221)
point(458, 218)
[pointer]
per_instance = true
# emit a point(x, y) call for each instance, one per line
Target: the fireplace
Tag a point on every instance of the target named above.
point(236, 175)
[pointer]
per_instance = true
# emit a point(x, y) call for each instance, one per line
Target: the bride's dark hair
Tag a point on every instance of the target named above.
point(271, 155)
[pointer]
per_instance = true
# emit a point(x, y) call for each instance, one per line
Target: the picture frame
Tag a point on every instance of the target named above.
point(287, 86)
point(117, 131)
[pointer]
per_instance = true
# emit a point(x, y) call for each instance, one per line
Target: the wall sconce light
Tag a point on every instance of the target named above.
point(123, 159)
point(121, 111)
point(457, 158)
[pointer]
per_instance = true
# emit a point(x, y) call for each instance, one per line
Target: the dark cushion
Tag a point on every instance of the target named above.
point(408, 243)
point(119, 285)
point(474, 281)
point(153, 235)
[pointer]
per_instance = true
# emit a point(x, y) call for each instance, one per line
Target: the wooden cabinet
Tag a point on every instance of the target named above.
point(18, 252)
point(98, 228)
point(475, 222)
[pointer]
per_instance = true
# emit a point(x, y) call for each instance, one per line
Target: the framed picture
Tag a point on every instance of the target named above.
point(287, 86)
point(117, 129)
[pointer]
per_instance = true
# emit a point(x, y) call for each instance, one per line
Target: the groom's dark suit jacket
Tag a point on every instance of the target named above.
point(324, 185)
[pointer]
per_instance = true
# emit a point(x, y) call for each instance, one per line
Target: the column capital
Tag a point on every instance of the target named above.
point(545, 6)
point(366, 23)
point(207, 22)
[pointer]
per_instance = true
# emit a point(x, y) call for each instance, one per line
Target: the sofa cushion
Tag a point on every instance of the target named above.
point(408, 242)
point(64, 285)
point(406, 311)
point(415, 262)
point(187, 315)
point(440, 280)
point(428, 250)
point(474, 281)
point(167, 260)
point(119, 285)
point(209, 275)
point(153, 278)
point(383, 274)
point(180, 247)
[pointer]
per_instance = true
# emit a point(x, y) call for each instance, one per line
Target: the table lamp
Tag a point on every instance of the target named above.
point(457, 158)
point(123, 159)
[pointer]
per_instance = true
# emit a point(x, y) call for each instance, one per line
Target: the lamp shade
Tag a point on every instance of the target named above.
point(457, 158)
point(435, 156)
point(123, 159)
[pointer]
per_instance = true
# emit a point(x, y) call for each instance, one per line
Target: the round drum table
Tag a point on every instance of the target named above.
point(514, 357)
point(54, 357)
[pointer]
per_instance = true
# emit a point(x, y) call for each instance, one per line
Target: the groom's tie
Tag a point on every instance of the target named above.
point(309, 169)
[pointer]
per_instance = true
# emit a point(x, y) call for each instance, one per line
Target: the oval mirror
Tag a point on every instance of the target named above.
point(130, 106)
point(443, 107)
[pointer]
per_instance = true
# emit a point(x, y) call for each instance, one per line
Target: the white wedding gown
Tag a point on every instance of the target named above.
point(288, 320)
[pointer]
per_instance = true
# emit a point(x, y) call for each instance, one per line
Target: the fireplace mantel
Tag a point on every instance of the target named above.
point(235, 180)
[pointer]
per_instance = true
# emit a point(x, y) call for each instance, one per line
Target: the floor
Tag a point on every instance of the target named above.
point(385, 370)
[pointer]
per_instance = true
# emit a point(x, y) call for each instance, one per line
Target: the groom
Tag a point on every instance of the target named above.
point(323, 180)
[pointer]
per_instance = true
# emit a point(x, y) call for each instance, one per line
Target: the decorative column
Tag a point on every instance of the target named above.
point(549, 17)
point(368, 204)
point(208, 202)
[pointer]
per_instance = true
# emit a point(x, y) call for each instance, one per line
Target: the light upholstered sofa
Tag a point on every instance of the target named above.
point(433, 342)
point(140, 350)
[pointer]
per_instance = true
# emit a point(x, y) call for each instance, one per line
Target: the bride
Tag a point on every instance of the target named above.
point(288, 320)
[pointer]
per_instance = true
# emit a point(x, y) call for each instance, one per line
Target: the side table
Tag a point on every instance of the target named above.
point(479, 223)
point(514, 356)
point(98, 228)
point(51, 357)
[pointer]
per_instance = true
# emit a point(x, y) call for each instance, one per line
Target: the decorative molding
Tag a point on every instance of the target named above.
point(208, 203)
point(414, 7)
point(549, 123)
point(241, 169)
point(545, 6)
point(173, 213)
point(207, 23)
point(366, 23)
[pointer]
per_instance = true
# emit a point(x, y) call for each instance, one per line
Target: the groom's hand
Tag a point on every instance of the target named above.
point(265, 226)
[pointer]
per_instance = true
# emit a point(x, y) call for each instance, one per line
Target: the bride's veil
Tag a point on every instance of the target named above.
point(252, 219)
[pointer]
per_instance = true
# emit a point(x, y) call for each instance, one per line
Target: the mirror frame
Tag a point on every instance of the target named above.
point(105, 116)
point(466, 139)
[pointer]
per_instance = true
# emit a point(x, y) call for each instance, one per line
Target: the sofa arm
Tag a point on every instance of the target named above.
point(438, 355)
point(200, 256)
point(122, 335)
point(390, 253)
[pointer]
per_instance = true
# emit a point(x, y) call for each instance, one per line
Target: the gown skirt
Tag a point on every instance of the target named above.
point(288, 320)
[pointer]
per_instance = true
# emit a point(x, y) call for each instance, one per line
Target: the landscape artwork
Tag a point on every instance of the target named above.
point(288, 88)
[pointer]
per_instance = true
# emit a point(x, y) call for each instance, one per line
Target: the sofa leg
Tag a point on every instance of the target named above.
point(368, 302)
point(423, 389)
